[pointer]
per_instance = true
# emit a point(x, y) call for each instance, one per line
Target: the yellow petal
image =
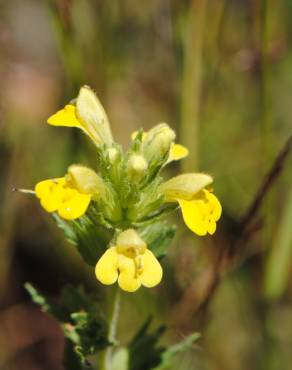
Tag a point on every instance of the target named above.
point(195, 215)
point(106, 270)
point(128, 280)
point(65, 117)
point(214, 205)
point(211, 227)
point(177, 151)
point(74, 205)
point(52, 202)
point(43, 188)
point(152, 271)
point(50, 193)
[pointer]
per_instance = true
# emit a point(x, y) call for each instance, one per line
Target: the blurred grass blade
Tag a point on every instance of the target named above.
point(71, 55)
point(191, 86)
point(279, 260)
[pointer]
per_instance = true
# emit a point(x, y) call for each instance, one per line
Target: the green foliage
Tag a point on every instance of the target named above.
point(158, 237)
point(82, 322)
point(89, 237)
point(38, 298)
point(144, 353)
point(171, 352)
point(90, 333)
point(86, 334)
point(72, 359)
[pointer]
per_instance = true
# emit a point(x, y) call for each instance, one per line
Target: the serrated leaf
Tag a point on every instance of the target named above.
point(39, 299)
point(144, 353)
point(80, 317)
point(72, 360)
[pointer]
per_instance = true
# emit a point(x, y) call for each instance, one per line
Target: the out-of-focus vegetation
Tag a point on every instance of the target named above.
point(219, 72)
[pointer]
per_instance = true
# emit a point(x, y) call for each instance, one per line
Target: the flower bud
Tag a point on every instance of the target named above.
point(137, 166)
point(85, 180)
point(92, 117)
point(157, 143)
point(113, 154)
point(130, 240)
point(184, 186)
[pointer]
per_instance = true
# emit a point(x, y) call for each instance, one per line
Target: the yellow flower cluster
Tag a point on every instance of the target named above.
point(128, 260)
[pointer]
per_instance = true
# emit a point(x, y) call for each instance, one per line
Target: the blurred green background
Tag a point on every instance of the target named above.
point(219, 73)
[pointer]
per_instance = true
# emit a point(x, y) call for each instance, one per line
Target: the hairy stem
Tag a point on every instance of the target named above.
point(113, 316)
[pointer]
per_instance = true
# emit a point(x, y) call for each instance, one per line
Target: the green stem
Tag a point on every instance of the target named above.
point(114, 310)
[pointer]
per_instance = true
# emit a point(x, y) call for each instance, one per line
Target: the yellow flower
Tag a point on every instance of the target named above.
point(88, 115)
point(201, 213)
point(177, 151)
point(200, 208)
point(130, 263)
point(56, 195)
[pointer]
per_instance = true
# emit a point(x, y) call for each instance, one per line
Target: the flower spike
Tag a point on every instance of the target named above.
point(127, 192)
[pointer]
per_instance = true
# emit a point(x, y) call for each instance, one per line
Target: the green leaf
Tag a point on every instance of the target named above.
point(80, 317)
point(91, 332)
point(41, 300)
point(89, 238)
point(72, 360)
point(37, 297)
point(144, 353)
point(170, 353)
point(157, 216)
point(158, 237)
